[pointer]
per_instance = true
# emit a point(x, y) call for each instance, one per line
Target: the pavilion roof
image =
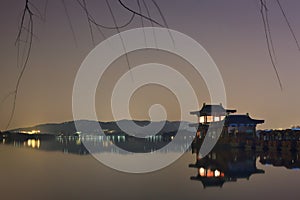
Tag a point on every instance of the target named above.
point(211, 109)
point(242, 119)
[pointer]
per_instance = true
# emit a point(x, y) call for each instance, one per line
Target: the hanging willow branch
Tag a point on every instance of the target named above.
point(137, 13)
point(152, 24)
point(264, 16)
point(27, 15)
point(268, 27)
point(164, 20)
point(142, 21)
point(121, 38)
point(69, 21)
point(93, 21)
point(288, 23)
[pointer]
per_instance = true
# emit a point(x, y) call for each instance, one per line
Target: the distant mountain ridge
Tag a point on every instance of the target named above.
point(68, 128)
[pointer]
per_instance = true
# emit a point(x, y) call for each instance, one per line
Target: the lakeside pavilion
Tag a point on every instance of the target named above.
point(221, 119)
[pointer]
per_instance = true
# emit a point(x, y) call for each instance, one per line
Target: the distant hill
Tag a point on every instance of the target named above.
point(68, 128)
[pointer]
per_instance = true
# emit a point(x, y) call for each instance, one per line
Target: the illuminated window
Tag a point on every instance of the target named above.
point(202, 119)
point(210, 118)
point(217, 173)
point(217, 119)
point(210, 173)
point(202, 171)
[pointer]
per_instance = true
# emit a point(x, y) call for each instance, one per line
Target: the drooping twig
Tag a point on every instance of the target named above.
point(22, 21)
point(269, 32)
point(89, 22)
point(29, 31)
point(69, 21)
point(26, 15)
point(289, 24)
point(24, 52)
point(142, 21)
point(263, 11)
point(90, 19)
point(263, 4)
point(93, 21)
point(164, 20)
point(152, 25)
point(121, 38)
point(145, 17)
point(39, 14)
point(45, 10)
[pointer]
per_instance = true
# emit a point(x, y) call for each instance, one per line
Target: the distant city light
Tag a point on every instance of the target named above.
point(31, 132)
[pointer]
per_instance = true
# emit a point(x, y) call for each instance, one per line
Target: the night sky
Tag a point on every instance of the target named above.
point(231, 31)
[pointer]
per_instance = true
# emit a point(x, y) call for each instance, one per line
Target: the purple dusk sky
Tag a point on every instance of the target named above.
point(231, 31)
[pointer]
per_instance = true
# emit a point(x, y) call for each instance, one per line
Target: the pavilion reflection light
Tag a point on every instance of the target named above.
point(221, 166)
point(203, 172)
point(33, 143)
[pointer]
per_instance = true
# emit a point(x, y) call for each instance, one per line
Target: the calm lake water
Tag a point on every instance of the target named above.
point(34, 169)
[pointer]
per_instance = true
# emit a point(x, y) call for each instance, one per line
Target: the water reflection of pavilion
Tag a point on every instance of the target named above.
point(221, 166)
